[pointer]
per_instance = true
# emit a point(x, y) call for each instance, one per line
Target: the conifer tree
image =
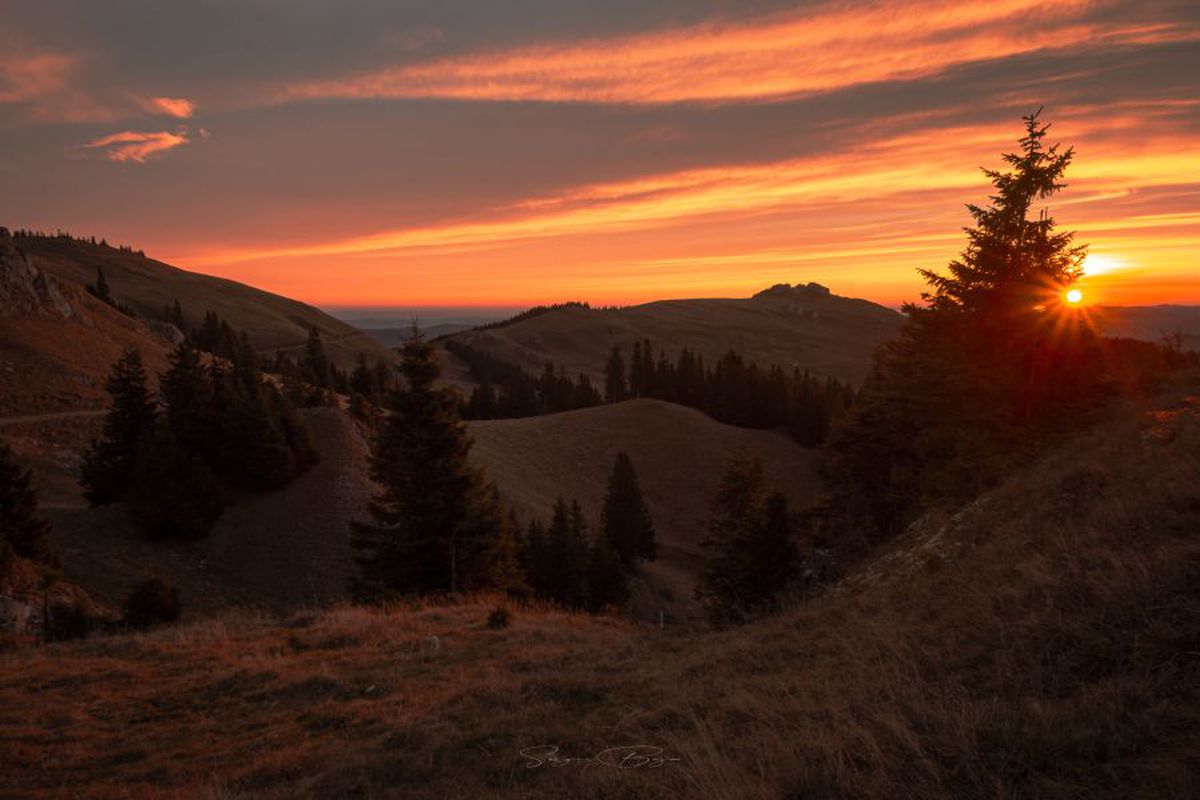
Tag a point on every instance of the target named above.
point(607, 583)
point(615, 386)
point(316, 366)
point(109, 461)
point(567, 549)
point(22, 530)
point(734, 515)
point(102, 290)
point(173, 495)
point(432, 518)
point(187, 392)
point(992, 351)
point(625, 518)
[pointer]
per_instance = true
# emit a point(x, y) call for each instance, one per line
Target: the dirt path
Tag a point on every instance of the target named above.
point(49, 417)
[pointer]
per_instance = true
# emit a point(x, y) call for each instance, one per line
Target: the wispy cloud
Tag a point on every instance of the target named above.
point(138, 146)
point(178, 107)
point(823, 48)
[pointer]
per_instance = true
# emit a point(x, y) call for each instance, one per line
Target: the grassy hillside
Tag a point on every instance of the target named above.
point(679, 454)
point(801, 327)
point(273, 322)
point(1040, 643)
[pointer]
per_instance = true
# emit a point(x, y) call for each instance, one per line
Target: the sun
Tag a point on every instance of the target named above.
point(1074, 297)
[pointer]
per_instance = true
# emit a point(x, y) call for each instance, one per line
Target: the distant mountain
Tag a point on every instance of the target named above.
point(148, 286)
point(1152, 323)
point(790, 326)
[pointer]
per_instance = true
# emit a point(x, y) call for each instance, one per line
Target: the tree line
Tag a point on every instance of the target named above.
point(506, 391)
point(731, 391)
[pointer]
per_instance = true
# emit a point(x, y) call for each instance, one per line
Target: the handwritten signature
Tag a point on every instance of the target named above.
point(633, 756)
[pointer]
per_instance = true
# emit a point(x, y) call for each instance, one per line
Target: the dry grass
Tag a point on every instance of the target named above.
point(1042, 643)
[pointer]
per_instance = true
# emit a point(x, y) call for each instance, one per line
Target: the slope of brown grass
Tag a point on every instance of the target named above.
point(679, 454)
point(148, 286)
point(50, 364)
point(1041, 643)
point(831, 335)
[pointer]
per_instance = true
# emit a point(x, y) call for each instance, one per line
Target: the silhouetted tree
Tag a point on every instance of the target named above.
point(727, 587)
point(102, 291)
point(607, 583)
point(22, 530)
point(434, 517)
point(991, 355)
point(625, 519)
point(567, 548)
point(615, 387)
point(316, 366)
point(173, 495)
point(108, 463)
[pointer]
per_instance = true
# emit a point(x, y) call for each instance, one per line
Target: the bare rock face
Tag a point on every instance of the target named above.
point(24, 289)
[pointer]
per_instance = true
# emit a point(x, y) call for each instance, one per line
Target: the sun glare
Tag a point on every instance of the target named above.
point(1074, 297)
point(1099, 264)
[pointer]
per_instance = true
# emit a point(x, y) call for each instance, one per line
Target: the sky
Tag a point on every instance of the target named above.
point(515, 152)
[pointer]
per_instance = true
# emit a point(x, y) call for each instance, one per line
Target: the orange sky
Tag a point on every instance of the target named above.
point(654, 153)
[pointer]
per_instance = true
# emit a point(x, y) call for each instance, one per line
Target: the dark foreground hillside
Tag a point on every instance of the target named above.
point(1041, 643)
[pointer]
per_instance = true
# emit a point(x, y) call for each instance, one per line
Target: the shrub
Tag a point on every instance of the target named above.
point(151, 602)
point(499, 618)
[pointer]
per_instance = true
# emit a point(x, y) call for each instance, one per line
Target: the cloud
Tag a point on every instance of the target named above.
point(827, 47)
point(137, 146)
point(178, 107)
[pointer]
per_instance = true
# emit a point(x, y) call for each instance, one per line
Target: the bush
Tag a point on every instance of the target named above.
point(153, 601)
point(499, 618)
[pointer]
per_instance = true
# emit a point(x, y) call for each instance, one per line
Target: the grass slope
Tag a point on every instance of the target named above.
point(1040, 643)
point(148, 286)
point(679, 454)
point(831, 335)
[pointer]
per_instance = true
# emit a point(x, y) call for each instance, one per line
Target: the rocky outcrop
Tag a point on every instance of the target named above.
point(34, 606)
point(26, 290)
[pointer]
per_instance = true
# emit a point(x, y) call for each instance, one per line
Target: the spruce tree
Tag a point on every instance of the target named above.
point(316, 365)
point(109, 461)
point(102, 290)
point(567, 549)
point(735, 514)
point(991, 355)
point(433, 517)
point(22, 530)
point(173, 495)
point(625, 518)
point(607, 583)
point(615, 386)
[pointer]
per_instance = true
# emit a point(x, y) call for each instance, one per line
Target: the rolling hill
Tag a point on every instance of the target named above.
point(679, 454)
point(1039, 643)
point(802, 326)
point(148, 286)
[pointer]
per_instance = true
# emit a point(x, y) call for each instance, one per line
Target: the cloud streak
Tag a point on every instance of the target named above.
point(829, 47)
point(178, 107)
point(138, 146)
